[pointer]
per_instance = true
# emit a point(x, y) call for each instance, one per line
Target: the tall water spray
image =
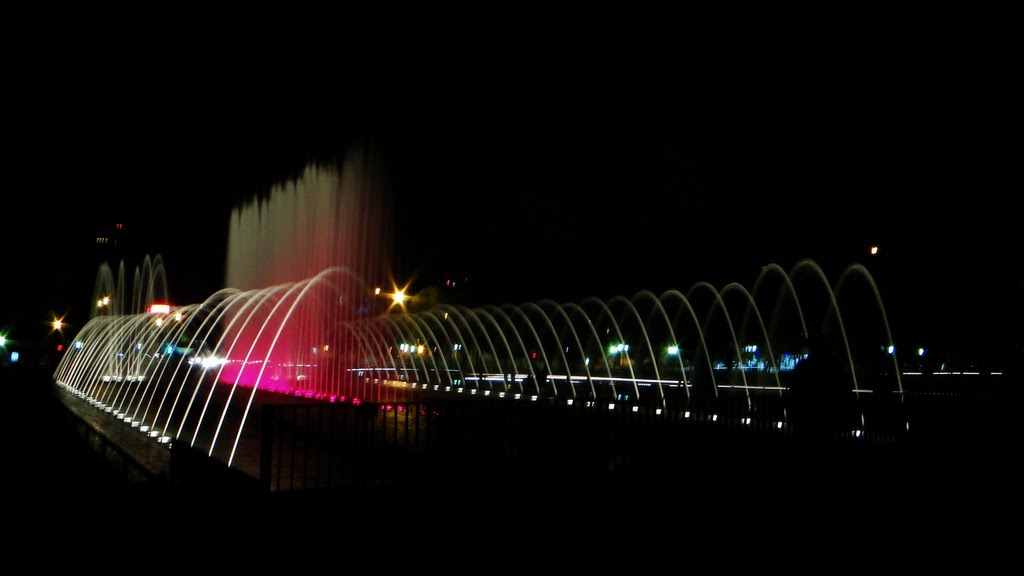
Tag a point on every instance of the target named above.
point(327, 218)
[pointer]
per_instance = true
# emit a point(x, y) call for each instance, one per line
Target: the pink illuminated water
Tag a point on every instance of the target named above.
point(293, 341)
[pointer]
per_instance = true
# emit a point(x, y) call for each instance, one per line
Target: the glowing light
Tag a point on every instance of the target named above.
point(568, 402)
point(658, 411)
point(673, 350)
point(211, 362)
point(636, 408)
point(3, 341)
point(686, 414)
point(376, 291)
point(611, 406)
point(891, 349)
point(398, 297)
point(714, 417)
point(779, 425)
point(15, 356)
point(78, 344)
point(858, 433)
point(874, 250)
point(419, 349)
point(178, 316)
point(57, 323)
point(920, 351)
point(159, 322)
point(159, 308)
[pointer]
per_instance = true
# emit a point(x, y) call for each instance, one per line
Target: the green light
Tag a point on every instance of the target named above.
point(673, 350)
point(3, 341)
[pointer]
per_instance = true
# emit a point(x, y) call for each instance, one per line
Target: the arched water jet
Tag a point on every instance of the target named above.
point(820, 275)
point(647, 340)
point(657, 306)
point(864, 273)
point(760, 321)
point(618, 334)
point(728, 322)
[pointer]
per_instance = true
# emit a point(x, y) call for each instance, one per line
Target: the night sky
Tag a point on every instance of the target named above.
point(561, 182)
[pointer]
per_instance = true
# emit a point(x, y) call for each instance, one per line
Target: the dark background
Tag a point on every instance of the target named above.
point(541, 175)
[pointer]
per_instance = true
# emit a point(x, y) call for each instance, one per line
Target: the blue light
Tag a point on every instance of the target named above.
point(15, 356)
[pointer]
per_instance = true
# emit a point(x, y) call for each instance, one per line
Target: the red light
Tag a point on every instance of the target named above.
point(118, 226)
point(159, 308)
point(60, 347)
point(533, 355)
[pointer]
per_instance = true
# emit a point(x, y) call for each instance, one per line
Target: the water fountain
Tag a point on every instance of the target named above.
point(303, 320)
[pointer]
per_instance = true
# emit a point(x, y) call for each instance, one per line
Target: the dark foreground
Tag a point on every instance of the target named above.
point(792, 506)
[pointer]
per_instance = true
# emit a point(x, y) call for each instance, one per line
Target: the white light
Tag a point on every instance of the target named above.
point(673, 350)
point(398, 297)
point(472, 391)
point(135, 423)
point(611, 406)
point(376, 291)
point(569, 402)
point(211, 362)
point(447, 388)
point(920, 351)
point(714, 417)
point(746, 420)
point(874, 250)
point(78, 344)
point(636, 408)
point(461, 390)
point(143, 428)
point(891, 349)
point(159, 322)
point(501, 394)
point(487, 392)
point(778, 425)
point(586, 361)
point(858, 433)
point(154, 433)
point(533, 398)
point(658, 411)
point(164, 440)
point(686, 414)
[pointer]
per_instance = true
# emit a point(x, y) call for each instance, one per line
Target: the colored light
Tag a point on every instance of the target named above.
point(159, 308)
